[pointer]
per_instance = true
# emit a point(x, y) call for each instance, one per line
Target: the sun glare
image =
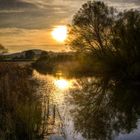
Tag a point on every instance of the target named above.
point(59, 33)
point(62, 83)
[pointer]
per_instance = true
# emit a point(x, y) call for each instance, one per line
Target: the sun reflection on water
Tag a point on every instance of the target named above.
point(62, 84)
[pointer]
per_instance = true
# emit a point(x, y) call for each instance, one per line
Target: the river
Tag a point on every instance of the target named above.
point(83, 109)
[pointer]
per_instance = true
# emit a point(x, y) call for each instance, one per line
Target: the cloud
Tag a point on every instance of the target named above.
point(24, 18)
point(39, 15)
point(127, 1)
point(15, 39)
point(14, 4)
point(123, 4)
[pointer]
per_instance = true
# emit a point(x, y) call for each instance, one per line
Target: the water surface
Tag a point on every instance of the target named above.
point(91, 108)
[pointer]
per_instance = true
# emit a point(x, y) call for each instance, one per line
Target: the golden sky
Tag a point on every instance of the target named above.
point(27, 24)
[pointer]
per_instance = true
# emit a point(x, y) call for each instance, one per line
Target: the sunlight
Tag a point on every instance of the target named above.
point(59, 33)
point(62, 84)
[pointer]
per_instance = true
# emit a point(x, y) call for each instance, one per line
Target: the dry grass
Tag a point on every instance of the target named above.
point(20, 106)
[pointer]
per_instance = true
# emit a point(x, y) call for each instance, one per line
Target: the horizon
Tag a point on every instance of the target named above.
point(37, 49)
point(28, 24)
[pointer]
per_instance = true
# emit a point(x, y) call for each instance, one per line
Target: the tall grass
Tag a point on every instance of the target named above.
point(20, 105)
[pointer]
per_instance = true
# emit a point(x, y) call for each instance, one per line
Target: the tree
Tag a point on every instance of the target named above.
point(30, 54)
point(126, 33)
point(2, 49)
point(91, 27)
point(112, 37)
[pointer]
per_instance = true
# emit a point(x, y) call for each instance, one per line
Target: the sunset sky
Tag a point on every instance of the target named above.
point(27, 24)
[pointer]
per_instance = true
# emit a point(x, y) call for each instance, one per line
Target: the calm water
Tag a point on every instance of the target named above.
point(88, 108)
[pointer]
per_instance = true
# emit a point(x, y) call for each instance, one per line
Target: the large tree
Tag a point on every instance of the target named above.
point(126, 35)
point(91, 26)
point(113, 37)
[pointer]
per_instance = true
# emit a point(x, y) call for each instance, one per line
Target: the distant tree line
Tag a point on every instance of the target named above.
point(52, 63)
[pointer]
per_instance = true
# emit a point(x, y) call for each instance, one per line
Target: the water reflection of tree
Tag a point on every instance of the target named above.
point(104, 110)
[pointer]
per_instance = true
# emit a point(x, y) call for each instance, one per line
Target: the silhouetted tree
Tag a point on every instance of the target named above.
point(29, 54)
point(3, 49)
point(111, 37)
point(91, 27)
point(125, 41)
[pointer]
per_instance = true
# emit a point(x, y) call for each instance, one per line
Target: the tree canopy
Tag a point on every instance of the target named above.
point(91, 26)
point(113, 37)
point(99, 27)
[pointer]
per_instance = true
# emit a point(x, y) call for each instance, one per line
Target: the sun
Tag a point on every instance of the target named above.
point(59, 33)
